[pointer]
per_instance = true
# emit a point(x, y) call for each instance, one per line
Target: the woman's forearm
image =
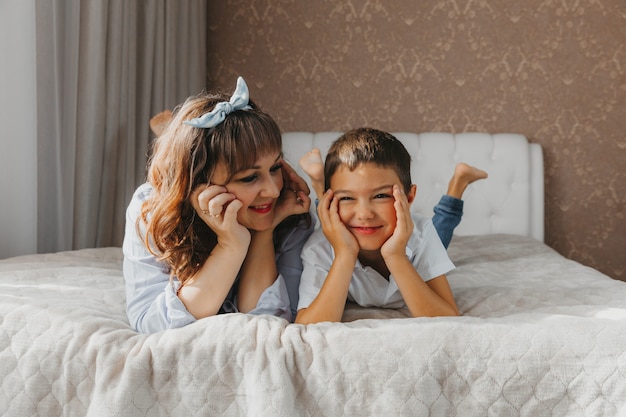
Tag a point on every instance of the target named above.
point(204, 294)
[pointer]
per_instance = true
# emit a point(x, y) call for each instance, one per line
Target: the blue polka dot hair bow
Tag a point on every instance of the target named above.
point(238, 101)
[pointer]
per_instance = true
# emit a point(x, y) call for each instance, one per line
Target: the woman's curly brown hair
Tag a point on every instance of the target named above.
point(184, 157)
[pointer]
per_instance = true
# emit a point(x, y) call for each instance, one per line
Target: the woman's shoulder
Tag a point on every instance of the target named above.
point(140, 195)
point(295, 232)
point(143, 191)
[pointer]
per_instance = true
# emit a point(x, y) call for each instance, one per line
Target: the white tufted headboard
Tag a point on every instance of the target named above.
point(511, 200)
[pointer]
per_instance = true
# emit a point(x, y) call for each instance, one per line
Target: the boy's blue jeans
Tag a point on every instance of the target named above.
point(448, 213)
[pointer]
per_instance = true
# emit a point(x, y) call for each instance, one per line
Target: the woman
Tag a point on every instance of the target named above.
point(221, 221)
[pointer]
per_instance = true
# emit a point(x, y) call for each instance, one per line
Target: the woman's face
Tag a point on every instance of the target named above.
point(257, 187)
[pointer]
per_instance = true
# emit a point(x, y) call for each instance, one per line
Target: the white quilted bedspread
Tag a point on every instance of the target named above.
point(540, 336)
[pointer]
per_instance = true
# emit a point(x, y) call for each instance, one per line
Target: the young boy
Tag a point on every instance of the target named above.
point(370, 248)
point(448, 211)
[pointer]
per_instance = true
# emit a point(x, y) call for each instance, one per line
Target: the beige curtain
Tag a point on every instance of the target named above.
point(103, 69)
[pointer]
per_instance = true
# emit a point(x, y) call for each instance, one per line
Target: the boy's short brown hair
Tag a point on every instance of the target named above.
point(363, 145)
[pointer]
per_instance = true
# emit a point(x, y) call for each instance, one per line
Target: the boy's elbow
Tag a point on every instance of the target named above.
point(449, 311)
point(301, 317)
point(455, 310)
point(308, 316)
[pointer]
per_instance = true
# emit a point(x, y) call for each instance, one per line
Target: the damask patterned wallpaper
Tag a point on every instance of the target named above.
point(552, 70)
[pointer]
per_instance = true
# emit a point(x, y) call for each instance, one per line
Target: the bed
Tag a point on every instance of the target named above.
point(539, 335)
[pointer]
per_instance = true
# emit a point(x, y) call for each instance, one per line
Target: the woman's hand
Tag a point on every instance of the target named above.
point(205, 292)
point(294, 197)
point(218, 208)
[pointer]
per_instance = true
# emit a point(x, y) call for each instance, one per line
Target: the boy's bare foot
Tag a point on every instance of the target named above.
point(311, 162)
point(464, 175)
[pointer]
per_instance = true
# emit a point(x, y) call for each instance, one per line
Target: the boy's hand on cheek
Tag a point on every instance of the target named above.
point(396, 244)
point(335, 231)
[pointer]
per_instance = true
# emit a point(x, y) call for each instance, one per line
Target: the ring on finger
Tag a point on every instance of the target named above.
point(205, 212)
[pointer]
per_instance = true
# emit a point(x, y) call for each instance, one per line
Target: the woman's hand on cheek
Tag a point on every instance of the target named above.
point(294, 197)
point(290, 203)
point(293, 181)
point(218, 209)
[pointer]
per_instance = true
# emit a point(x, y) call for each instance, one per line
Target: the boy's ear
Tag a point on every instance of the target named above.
point(410, 196)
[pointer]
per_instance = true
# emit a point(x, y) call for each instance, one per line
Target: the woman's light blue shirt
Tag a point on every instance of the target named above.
point(152, 303)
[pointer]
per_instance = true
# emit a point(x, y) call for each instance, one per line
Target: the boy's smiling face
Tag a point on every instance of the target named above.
point(366, 202)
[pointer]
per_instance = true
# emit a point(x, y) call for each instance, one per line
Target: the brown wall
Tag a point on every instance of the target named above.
point(552, 70)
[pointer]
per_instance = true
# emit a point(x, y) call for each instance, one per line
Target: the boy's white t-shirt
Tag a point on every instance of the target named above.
point(368, 288)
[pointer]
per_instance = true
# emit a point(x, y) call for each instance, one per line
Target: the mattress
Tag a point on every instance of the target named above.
point(539, 335)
